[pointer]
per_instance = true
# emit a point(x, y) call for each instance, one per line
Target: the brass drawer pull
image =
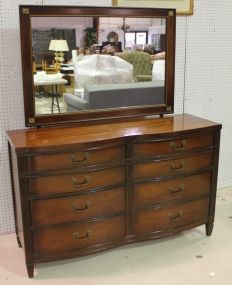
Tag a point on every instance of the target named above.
point(175, 148)
point(175, 168)
point(178, 190)
point(176, 217)
point(86, 236)
point(87, 205)
point(77, 161)
point(81, 183)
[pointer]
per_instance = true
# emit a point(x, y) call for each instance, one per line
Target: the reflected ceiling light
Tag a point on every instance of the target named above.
point(124, 27)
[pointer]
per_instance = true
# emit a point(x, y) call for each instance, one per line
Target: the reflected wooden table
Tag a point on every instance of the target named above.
point(55, 94)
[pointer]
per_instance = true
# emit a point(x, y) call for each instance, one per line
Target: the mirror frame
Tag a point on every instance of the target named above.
point(123, 113)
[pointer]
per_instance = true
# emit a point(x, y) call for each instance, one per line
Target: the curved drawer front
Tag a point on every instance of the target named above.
point(75, 159)
point(155, 193)
point(78, 236)
point(172, 167)
point(77, 208)
point(76, 182)
point(170, 217)
point(154, 148)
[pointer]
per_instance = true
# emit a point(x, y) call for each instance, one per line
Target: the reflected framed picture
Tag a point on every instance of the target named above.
point(183, 7)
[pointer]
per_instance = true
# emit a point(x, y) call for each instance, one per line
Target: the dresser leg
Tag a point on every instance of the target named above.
point(30, 270)
point(209, 229)
point(18, 240)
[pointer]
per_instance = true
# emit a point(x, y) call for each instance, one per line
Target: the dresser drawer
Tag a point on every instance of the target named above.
point(78, 236)
point(172, 167)
point(76, 182)
point(155, 193)
point(75, 159)
point(170, 217)
point(153, 148)
point(77, 208)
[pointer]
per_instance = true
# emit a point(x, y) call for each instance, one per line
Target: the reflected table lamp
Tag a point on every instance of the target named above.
point(59, 46)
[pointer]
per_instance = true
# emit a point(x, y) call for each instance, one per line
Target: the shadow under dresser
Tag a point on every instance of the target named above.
point(82, 189)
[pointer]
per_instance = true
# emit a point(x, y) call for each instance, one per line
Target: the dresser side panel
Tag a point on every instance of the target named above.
point(209, 225)
point(16, 195)
point(21, 205)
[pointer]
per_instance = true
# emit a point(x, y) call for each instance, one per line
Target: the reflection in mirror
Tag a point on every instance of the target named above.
point(88, 63)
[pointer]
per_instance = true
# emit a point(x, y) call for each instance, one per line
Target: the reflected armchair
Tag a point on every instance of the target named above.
point(141, 62)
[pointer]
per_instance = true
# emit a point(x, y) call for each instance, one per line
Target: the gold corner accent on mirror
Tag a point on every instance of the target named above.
point(169, 108)
point(26, 11)
point(114, 3)
point(170, 14)
point(31, 120)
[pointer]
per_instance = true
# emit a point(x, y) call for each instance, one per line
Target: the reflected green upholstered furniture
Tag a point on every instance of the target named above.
point(141, 62)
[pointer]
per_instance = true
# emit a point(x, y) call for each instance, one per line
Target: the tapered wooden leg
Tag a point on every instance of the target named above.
point(18, 240)
point(30, 270)
point(209, 229)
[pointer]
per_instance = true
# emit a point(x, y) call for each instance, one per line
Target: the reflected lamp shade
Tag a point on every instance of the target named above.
point(52, 45)
point(58, 45)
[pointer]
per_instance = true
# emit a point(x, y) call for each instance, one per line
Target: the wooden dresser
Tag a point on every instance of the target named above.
point(80, 190)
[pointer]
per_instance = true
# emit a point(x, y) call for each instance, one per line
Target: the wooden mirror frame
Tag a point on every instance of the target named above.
point(26, 12)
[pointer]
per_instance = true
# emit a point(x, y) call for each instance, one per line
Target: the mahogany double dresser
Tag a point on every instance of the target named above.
point(82, 189)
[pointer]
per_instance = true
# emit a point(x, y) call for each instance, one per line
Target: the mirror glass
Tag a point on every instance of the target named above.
point(91, 63)
point(84, 64)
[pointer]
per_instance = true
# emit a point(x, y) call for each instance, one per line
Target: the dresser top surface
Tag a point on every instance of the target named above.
point(32, 139)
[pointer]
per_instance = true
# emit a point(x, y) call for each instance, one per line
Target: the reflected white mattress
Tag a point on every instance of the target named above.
point(102, 69)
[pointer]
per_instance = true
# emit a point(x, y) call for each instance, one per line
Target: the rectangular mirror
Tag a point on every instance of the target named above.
point(85, 63)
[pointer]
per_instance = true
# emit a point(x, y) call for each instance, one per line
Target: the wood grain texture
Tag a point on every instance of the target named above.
point(171, 191)
point(171, 216)
point(78, 236)
point(172, 167)
point(75, 182)
point(28, 140)
point(130, 181)
point(154, 148)
point(75, 159)
point(77, 208)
